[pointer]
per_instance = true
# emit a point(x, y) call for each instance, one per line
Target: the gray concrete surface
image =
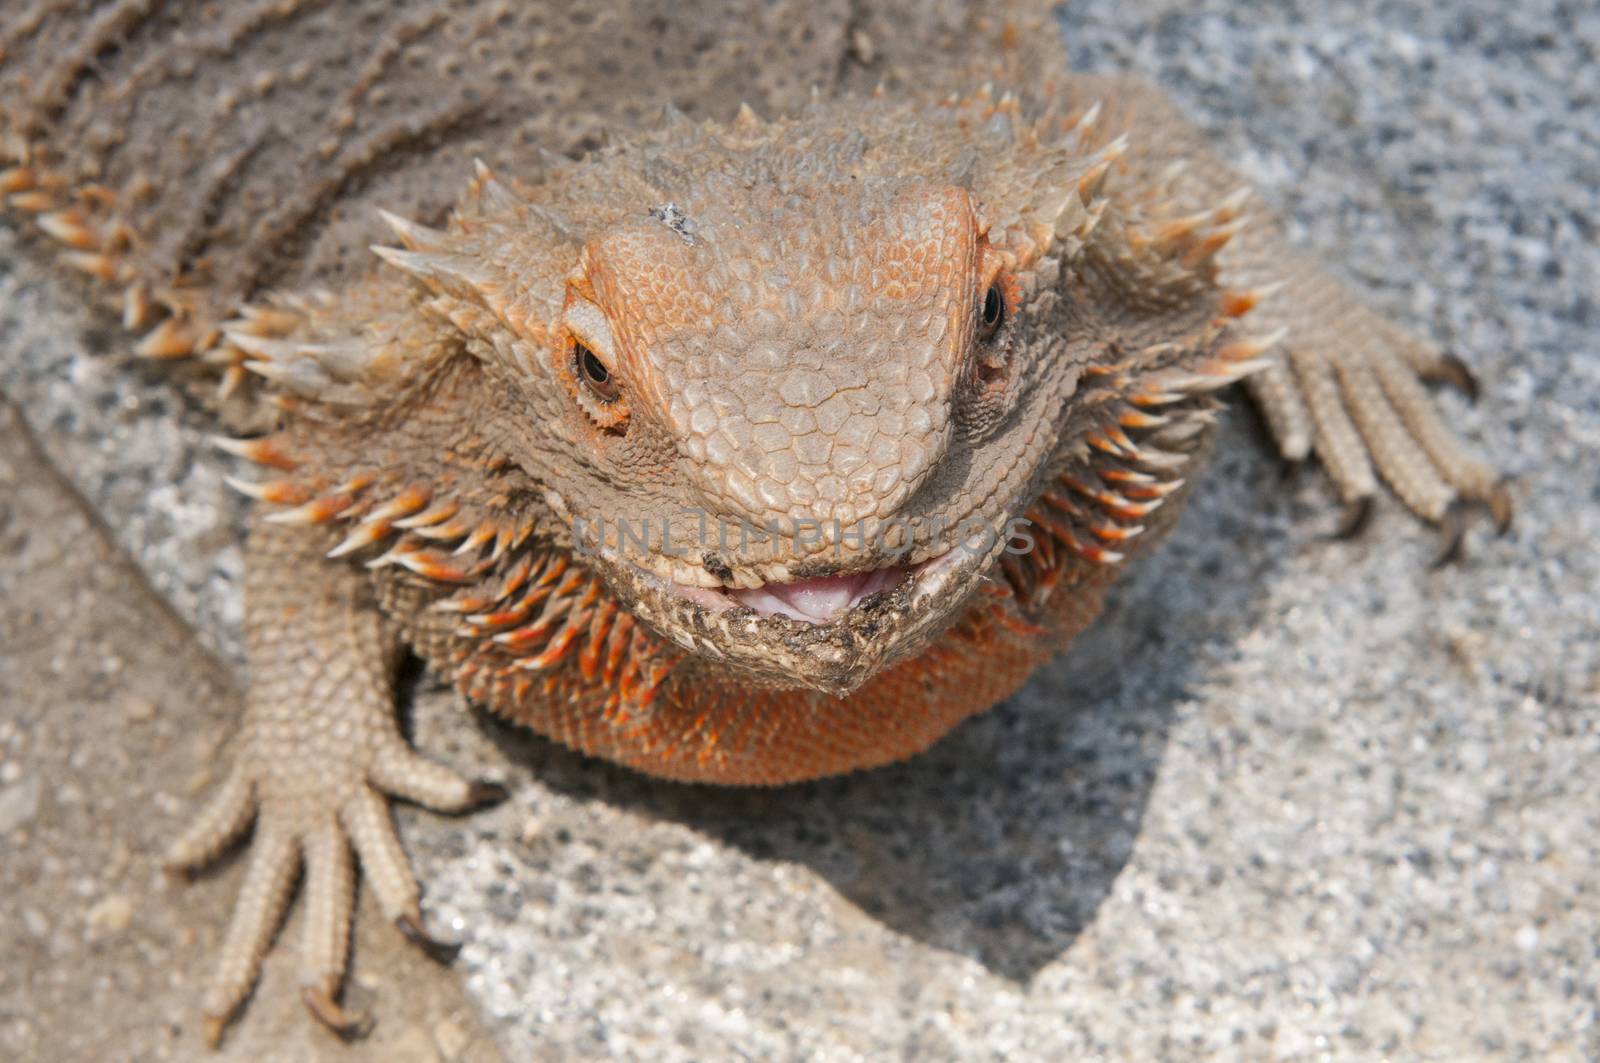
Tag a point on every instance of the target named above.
point(1291, 799)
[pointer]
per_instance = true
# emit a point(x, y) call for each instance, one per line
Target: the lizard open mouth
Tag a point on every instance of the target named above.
point(831, 632)
point(816, 600)
point(821, 599)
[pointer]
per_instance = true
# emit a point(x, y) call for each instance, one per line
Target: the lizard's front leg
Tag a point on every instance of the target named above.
point(1344, 383)
point(316, 761)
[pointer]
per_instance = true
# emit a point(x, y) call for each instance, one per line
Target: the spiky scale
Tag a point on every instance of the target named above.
point(16, 179)
point(70, 228)
point(34, 201)
point(273, 492)
point(173, 338)
point(416, 237)
point(317, 511)
point(436, 513)
point(363, 535)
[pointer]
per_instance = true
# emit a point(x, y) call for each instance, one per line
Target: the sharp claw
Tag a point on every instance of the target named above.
point(1357, 516)
point(484, 792)
point(1501, 508)
point(1452, 537)
point(347, 1024)
point(438, 951)
point(211, 1027)
point(1454, 372)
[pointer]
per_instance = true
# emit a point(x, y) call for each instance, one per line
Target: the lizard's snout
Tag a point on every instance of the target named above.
point(828, 458)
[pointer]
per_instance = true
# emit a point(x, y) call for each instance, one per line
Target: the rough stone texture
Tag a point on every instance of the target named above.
point(112, 718)
point(1291, 799)
point(132, 443)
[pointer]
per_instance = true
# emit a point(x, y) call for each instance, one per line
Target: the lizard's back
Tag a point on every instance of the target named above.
point(195, 154)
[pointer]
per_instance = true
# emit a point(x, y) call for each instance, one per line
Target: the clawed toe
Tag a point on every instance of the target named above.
point(1360, 379)
point(1357, 516)
point(211, 1027)
point(483, 793)
point(1452, 527)
point(1452, 537)
point(224, 818)
point(1452, 523)
point(1452, 371)
point(1501, 508)
point(411, 926)
point(349, 1025)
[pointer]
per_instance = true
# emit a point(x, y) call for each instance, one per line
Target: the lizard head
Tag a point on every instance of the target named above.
point(795, 388)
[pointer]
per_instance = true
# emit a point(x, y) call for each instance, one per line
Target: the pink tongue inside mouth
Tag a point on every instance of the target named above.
point(820, 600)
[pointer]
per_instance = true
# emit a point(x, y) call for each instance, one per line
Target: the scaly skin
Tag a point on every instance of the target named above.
point(988, 296)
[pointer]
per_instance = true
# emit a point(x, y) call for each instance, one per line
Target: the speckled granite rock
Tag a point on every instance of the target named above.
point(1292, 798)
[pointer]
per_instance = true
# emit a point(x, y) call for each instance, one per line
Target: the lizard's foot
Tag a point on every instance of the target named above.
point(312, 796)
point(1363, 409)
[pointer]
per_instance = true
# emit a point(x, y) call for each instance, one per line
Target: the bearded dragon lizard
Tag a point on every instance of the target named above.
point(755, 442)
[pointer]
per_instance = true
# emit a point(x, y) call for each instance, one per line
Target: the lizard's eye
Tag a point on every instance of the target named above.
point(993, 313)
point(588, 365)
point(594, 374)
point(596, 388)
point(991, 356)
